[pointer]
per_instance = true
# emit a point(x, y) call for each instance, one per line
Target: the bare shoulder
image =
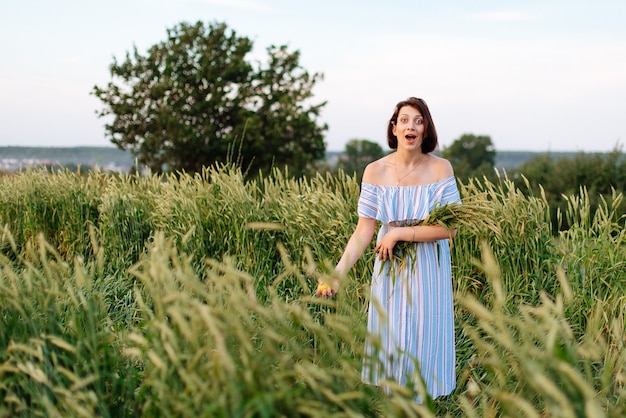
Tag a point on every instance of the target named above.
point(376, 170)
point(441, 167)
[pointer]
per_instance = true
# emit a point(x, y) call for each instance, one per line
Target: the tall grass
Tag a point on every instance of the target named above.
point(59, 205)
point(191, 295)
point(524, 247)
point(60, 348)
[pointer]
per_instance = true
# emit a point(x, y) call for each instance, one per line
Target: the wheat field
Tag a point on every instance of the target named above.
point(193, 296)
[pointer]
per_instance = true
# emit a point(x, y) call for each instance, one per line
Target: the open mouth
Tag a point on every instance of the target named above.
point(410, 137)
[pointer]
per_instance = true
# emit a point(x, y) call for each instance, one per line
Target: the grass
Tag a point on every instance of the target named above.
point(192, 295)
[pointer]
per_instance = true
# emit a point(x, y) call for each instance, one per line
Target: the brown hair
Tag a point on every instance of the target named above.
point(430, 133)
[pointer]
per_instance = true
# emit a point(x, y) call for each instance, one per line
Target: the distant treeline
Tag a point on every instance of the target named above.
point(69, 155)
point(103, 156)
point(74, 154)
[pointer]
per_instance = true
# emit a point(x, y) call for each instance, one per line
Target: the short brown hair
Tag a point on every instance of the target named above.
point(430, 133)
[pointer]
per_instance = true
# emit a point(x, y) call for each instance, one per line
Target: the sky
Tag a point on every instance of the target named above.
point(534, 75)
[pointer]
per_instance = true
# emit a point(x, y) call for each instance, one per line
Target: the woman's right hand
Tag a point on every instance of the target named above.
point(327, 290)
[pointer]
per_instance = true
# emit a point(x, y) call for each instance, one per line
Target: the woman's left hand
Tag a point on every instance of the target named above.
point(384, 248)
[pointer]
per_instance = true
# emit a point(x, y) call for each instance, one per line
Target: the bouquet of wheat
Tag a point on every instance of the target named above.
point(475, 213)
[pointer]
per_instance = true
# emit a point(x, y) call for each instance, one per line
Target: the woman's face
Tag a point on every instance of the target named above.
point(409, 128)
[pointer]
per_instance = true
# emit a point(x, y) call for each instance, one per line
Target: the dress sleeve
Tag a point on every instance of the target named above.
point(448, 192)
point(368, 201)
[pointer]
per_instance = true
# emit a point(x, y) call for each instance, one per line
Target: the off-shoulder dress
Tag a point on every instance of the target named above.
point(411, 313)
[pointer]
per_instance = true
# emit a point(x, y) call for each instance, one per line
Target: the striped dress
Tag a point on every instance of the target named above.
point(410, 320)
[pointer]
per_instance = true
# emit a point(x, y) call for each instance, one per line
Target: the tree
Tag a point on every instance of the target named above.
point(471, 156)
point(194, 100)
point(357, 154)
point(555, 178)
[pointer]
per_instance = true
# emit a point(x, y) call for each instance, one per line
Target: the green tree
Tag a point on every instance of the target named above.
point(358, 154)
point(195, 99)
point(471, 156)
point(599, 173)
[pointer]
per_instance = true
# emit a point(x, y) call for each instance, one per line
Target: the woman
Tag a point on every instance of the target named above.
point(411, 309)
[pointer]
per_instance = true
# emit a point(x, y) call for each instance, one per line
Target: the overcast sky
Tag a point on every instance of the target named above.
point(535, 75)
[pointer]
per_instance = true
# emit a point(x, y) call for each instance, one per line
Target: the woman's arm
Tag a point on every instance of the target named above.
point(357, 244)
point(420, 233)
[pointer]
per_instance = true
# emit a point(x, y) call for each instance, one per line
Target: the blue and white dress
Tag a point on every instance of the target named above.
point(411, 313)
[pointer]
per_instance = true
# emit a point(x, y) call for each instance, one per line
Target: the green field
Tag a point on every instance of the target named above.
point(192, 296)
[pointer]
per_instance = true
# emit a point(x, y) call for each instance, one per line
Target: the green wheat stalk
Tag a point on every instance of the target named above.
point(476, 213)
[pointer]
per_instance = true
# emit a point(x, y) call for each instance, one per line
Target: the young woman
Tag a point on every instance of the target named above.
point(411, 309)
